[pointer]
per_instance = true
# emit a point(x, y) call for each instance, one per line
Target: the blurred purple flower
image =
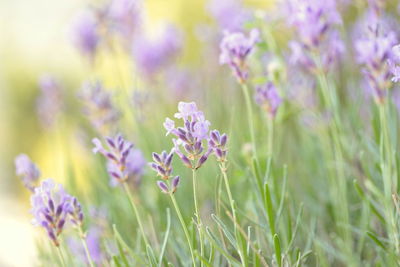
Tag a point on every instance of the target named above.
point(229, 14)
point(152, 55)
point(85, 32)
point(124, 17)
point(123, 161)
point(267, 97)
point(27, 170)
point(93, 241)
point(99, 107)
point(314, 22)
point(49, 102)
point(235, 48)
point(375, 52)
point(50, 208)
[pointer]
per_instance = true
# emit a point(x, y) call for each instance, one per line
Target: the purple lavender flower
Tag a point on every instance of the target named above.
point(190, 136)
point(163, 166)
point(313, 21)
point(229, 14)
point(49, 102)
point(124, 17)
point(99, 107)
point(152, 55)
point(27, 170)
point(74, 209)
point(85, 33)
point(218, 144)
point(375, 52)
point(123, 161)
point(235, 48)
point(394, 64)
point(267, 97)
point(50, 208)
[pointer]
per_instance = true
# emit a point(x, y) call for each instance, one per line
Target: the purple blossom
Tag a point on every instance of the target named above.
point(151, 55)
point(314, 22)
point(27, 170)
point(74, 209)
point(191, 135)
point(50, 208)
point(394, 63)
point(375, 52)
point(267, 97)
point(85, 33)
point(98, 106)
point(124, 17)
point(162, 165)
point(235, 48)
point(123, 160)
point(93, 241)
point(229, 14)
point(49, 102)
point(218, 144)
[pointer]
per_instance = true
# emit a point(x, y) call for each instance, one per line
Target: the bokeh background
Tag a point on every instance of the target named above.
point(35, 38)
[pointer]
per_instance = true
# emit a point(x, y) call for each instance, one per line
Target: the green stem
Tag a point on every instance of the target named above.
point(330, 102)
point(270, 124)
point(60, 255)
point(250, 118)
point(82, 237)
point(135, 210)
point(387, 173)
point(185, 230)
point(197, 214)
point(223, 168)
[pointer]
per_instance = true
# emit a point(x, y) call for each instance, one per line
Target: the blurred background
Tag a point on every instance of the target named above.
point(36, 39)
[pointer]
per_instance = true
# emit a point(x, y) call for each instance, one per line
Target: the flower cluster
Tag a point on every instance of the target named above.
point(51, 207)
point(377, 55)
point(217, 142)
point(123, 160)
point(86, 35)
point(153, 54)
point(235, 48)
point(267, 97)
point(313, 21)
point(98, 106)
point(27, 170)
point(191, 135)
point(229, 14)
point(74, 209)
point(163, 166)
point(50, 101)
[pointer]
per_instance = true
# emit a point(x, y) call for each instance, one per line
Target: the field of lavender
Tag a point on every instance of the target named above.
point(266, 135)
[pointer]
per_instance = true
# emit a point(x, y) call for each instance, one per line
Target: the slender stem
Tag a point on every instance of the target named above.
point(223, 168)
point(270, 124)
point(250, 118)
point(387, 173)
point(135, 210)
point(60, 255)
point(197, 214)
point(185, 230)
point(82, 237)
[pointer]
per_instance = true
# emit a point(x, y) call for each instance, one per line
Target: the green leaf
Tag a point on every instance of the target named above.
point(277, 245)
point(164, 245)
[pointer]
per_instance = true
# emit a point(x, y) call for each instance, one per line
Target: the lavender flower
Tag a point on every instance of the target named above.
point(190, 136)
point(218, 144)
point(124, 17)
point(375, 52)
point(74, 209)
point(27, 170)
point(99, 107)
point(163, 166)
point(152, 55)
point(313, 21)
point(49, 102)
point(50, 208)
point(85, 33)
point(123, 161)
point(93, 241)
point(394, 63)
point(229, 14)
point(235, 48)
point(267, 97)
